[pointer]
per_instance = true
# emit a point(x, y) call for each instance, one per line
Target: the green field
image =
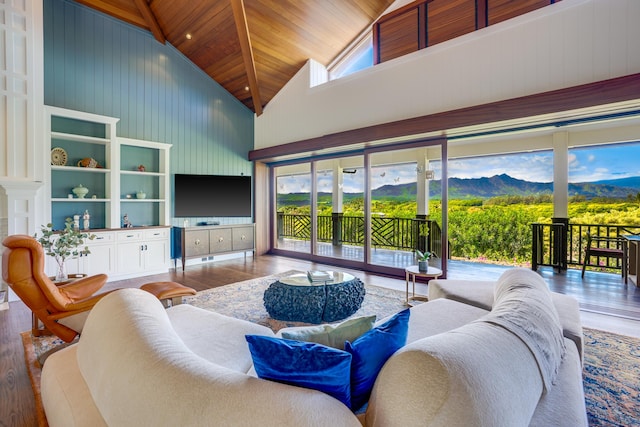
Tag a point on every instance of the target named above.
point(496, 229)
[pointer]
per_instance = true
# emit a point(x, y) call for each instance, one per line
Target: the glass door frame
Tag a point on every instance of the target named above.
point(366, 264)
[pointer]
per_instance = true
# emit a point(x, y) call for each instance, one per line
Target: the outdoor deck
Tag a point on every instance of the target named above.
point(598, 292)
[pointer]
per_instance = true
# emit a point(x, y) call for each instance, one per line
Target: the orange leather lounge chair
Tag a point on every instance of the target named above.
point(23, 270)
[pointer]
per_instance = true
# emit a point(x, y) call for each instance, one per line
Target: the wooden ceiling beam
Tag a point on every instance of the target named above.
point(151, 20)
point(115, 11)
point(240, 18)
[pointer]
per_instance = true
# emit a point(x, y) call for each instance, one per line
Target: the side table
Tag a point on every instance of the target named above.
point(410, 273)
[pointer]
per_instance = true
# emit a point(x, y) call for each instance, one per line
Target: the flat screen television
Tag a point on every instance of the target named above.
point(212, 196)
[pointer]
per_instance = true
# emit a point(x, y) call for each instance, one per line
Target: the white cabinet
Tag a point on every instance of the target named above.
point(144, 181)
point(82, 147)
point(123, 175)
point(102, 258)
point(122, 254)
point(142, 251)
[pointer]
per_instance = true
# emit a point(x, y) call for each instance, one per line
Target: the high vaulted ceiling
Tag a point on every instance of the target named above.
point(250, 47)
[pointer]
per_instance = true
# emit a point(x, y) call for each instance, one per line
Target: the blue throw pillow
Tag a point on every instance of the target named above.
point(303, 364)
point(371, 351)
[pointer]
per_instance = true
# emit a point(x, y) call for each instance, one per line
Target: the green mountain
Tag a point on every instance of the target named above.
point(482, 188)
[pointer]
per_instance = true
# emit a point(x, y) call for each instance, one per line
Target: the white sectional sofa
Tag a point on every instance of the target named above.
point(139, 364)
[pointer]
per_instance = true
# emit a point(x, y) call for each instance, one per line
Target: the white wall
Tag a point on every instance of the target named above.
point(21, 103)
point(569, 43)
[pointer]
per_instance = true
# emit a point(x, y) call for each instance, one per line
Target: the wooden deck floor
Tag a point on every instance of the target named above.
point(598, 292)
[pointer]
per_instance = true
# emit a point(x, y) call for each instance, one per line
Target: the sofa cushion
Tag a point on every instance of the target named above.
point(330, 335)
point(64, 392)
point(479, 293)
point(215, 337)
point(477, 375)
point(441, 315)
point(371, 351)
point(524, 307)
point(565, 399)
point(135, 366)
point(302, 364)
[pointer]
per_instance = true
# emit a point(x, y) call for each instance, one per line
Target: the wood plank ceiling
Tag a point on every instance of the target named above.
point(250, 47)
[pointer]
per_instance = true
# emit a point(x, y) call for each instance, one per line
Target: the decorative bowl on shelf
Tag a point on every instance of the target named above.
point(141, 195)
point(88, 162)
point(58, 156)
point(80, 191)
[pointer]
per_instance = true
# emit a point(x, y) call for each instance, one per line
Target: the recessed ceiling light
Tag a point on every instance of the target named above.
point(188, 36)
point(246, 88)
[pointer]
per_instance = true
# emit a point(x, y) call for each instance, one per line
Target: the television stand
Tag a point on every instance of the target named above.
point(207, 240)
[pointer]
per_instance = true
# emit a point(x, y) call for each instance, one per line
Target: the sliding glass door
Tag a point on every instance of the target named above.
point(293, 207)
point(369, 211)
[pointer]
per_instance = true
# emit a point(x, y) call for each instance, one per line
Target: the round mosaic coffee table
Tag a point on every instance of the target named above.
point(295, 298)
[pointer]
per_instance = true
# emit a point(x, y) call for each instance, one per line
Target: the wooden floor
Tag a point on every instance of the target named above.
point(597, 292)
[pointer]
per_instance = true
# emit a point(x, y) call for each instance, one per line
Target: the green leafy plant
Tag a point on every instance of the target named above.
point(424, 256)
point(64, 244)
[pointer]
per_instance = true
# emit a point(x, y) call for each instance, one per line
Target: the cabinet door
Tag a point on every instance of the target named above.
point(101, 260)
point(220, 240)
point(156, 254)
point(242, 238)
point(130, 257)
point(196, 242)
point(72, 266)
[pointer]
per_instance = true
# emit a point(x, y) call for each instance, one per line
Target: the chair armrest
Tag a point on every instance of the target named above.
point(82, 289)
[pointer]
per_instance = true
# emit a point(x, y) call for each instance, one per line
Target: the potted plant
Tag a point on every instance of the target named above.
point(423, 260)
point(63, 245)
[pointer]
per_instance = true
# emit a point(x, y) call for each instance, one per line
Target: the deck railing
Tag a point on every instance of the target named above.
point(561, 245)
point(391, 233)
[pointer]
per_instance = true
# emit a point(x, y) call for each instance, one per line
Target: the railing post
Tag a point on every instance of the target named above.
point(280, 224)
point(421, 239)
point(562, 242)
point(336, 219)
point(534, 246)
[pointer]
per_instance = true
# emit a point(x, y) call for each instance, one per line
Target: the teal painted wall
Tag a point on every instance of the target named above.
point(97, 64)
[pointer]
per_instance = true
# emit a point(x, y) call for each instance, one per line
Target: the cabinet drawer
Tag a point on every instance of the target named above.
point(159, 233)
point(242, 238)
point(129, 236)
point(220, 240)
point(101, 238)
point(196, 243)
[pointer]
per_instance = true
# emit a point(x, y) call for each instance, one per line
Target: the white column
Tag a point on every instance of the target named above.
point(422, 188)
point(21, 206)
point(22, 142)
point(560, 174)
point(338, 190)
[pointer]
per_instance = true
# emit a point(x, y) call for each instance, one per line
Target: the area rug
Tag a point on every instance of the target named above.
point(243, 300)
point(611, 361)
point(611, 378)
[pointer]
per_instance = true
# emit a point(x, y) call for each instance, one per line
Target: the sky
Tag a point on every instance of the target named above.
point(585, 165)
